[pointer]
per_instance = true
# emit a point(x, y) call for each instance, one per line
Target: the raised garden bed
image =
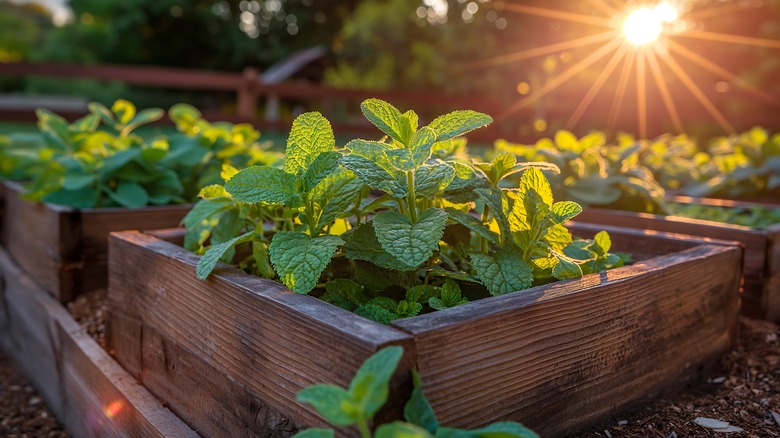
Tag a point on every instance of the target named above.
point(65, 249)
point(229, 354)
point(761, 265)
point(85, 388)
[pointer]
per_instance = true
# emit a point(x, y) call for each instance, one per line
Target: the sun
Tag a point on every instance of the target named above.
point(646, 24)
point(640, 39)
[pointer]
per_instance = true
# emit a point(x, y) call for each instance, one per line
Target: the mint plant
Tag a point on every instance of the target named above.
point(369, 391)
point(388, 229)
point(594, 173)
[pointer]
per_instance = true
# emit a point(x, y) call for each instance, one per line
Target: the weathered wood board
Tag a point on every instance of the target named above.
point(229, 354)
point(85, 388)
point(761, 296)
point(554, 357)
point(65, 249)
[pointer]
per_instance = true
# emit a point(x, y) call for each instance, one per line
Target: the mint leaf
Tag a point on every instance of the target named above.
point(401, 159)
point(376, 313)
point(565, 211)
point(123, 110)
point(450, 296)
point(472, 224)
point(506, 429)
point(310, 136)
point(506, 272)
point(429, 180)
point(129, 194)
point(604, 242)
point(418, 410)
point(387, 118)
point(411, 244)
point(325, 164)
point(328, 401)
point(76, 181)
point(204, 209)
point(300, 260)
point(362, 244)
point(566, 269)
point(315, 433)
point(334, 195)
point(264, 184)
point(493, 198)
point(374, 176)
point(421, 145)
point(399, 429)
point(346, 290)
point(370, 386)
point(534, 179)
point(458, 122)
point(209, 260)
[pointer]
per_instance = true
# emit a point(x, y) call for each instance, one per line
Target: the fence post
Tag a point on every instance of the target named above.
point(247, 94)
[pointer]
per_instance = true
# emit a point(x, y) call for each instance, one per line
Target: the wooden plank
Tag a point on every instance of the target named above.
point(255, 340)
point(559, 356)
point(756, 243)
point(84, 387)
point(65, 249)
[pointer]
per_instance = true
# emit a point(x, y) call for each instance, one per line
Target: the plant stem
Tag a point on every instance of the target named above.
point(483, 242)
point(313, 231)
point(363, 426)
point(411, 198)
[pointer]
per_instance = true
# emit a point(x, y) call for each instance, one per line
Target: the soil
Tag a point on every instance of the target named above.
point(745, 392)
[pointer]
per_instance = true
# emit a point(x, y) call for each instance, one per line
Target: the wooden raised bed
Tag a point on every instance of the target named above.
point(761, 294)
point(229, 354)
point(84, 387)
point(65, 249)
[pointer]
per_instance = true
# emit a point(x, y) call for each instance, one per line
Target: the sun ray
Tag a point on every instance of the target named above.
point(604, 7)
point(619, 55)
point(641, 93)
point(720, 71)
point(728, 38)
point(714, 11)
point(664, 90)
point(540, 51)
point(563, 77)
point(695, 90)
point(553, 13)
point(617, 100)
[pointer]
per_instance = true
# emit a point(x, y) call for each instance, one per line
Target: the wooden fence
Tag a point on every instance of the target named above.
point(249, 91)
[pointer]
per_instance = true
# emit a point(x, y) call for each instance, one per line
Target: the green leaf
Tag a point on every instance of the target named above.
point(534, 179)
point(205, 209)
point(265, 184)
point(399, 429)
point(315, 433)
point(507, 429)
point(401, 159)
point(123, 110)
point(344, 293)
point(88, 123)
point(334, 196)
point(374, 176)
point(411, 244)
point(376, 313)
point(53, 124)
point(421, 145)
point(78, 181)
point(328, 401)
point(450, 296)
point(603, 241)
point(325, 164)
point(472, 224)
point(370, 386)
point(209, 260)
point(213, 191)
point(300, 260)
point(82, 198)
point(387, 118)
point(506, 272)
point(102, 112)
point(458, 122)
point(129, 194)
point(494, 199)
point(566, 269)
point(362, 244)
point(430, 180)
point(418, 410)
point(310, 136)
point(144, 117)
point(565, 211)
point(567, 141)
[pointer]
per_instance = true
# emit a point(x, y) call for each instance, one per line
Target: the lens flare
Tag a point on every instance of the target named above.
point(644, 25)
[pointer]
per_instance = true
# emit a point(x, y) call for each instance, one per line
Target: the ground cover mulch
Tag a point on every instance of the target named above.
point(744, 391)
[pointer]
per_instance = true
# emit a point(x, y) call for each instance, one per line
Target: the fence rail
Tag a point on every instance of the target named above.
point(249, 90)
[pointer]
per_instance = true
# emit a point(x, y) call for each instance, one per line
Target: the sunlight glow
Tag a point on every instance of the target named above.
point(644, 25)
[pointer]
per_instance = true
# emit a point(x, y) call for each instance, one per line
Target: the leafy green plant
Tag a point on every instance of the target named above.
point(388, 229)
point(594, 173)
point(99, 160)
point(369, 391)
point(755, 217)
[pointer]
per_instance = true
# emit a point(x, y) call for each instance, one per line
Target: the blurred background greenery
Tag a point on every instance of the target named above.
point(428, 45)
